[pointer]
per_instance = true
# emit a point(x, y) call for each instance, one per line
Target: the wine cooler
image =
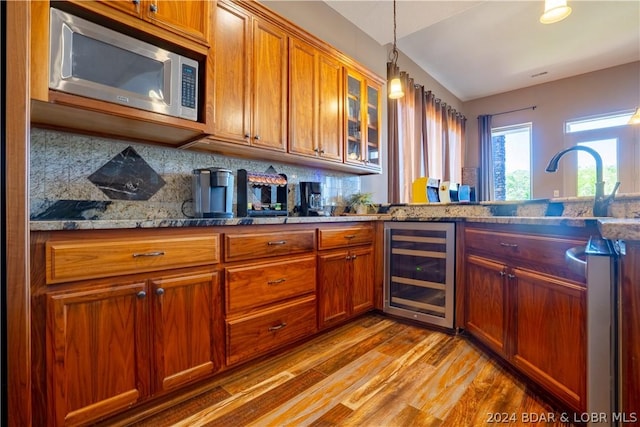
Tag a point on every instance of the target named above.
point(420, 271)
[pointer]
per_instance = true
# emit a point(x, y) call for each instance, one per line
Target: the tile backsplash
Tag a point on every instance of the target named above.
point(76, 176)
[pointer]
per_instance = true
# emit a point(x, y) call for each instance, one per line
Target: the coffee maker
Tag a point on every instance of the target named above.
point(311, 199)
point(212, 193)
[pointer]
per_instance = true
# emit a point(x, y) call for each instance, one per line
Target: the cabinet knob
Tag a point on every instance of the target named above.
point(160, 291)
point(354, 256)
point(141, 294)
point(153, 8)
point(257, 137)
point(316, 150)
point(502, 273)
point(135, 2)
point(246, 135)
point(321, 151)
point(511, 276)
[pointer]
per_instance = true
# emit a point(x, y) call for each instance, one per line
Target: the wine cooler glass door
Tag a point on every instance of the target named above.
point(419, 271)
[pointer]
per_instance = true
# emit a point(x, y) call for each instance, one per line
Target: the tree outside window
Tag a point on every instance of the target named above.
point(512, 162)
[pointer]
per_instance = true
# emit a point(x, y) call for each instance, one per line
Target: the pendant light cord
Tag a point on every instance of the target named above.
point(395, 50)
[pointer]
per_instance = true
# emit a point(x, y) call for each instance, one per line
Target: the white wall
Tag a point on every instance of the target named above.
point(328, 25)
point(604, 91)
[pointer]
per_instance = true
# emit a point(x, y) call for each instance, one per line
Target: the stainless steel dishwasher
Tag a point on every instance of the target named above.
point(419, 278)
point(597, 262)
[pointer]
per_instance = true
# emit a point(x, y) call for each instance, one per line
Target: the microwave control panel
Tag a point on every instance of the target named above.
point(188, 86)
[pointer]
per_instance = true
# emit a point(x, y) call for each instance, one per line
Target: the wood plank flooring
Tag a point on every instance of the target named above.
point(375, 371)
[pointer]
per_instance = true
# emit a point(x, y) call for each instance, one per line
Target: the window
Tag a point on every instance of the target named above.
point(512, 162)
point(615, 141)
point(608, 150)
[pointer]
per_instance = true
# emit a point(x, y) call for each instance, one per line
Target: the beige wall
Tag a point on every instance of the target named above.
point(609, 90)
point(325, 23)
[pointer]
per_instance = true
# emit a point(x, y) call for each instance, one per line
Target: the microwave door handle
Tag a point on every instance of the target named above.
point(67, 45)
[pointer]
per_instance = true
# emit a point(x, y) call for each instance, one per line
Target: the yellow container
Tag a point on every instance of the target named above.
point(419, 190)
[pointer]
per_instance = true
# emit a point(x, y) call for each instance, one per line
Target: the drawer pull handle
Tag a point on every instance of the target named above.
point(275, 282)
point(278, 327)
point(143, 254)
point(508, 245)
point(277, 242)
point(350, 236)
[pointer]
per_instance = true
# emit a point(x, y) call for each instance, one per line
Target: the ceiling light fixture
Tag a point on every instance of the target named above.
point(635, 119)
point(554, 11)
point(395, 85)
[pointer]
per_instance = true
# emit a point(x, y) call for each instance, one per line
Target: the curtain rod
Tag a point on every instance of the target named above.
point(532, 107)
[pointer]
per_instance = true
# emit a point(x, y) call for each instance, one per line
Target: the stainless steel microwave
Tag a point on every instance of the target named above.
point(90, 60)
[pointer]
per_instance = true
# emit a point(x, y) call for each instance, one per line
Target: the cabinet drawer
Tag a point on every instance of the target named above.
point(251, 336)
point(544, 251)
point(251, 246)
point(260, 284)
point(78, 260)
point(345, 236)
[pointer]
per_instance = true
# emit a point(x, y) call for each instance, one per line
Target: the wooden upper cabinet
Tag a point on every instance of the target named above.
point(229, 60)
point(269, 86)
point(186, 18)
point(330, 108)
point(249, 96)
point(315, 102)
point(363, 116)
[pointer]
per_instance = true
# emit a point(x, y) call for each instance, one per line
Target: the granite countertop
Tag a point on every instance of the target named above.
point(614, 228)
point(192, 222)
point(610, 228)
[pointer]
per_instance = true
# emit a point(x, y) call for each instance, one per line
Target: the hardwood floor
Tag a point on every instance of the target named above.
point(375, 371)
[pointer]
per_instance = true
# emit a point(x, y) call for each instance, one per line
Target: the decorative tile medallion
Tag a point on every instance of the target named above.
point(127, 177)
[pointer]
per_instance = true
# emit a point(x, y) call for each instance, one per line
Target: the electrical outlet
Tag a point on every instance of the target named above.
point(556, 193)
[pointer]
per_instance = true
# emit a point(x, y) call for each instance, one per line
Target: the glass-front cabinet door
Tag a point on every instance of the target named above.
point(373, 126)
point(363, 121)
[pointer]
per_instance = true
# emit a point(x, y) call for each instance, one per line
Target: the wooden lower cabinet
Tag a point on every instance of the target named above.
point(345, 286)
point(487, 296)
point(253, 335)
point(187, 323)
point(84, 324)
point(155, 333)
point(530, 313)
point(549, 333)
point(270, 289)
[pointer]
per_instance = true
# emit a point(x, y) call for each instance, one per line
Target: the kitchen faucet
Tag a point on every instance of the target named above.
point(600, 203)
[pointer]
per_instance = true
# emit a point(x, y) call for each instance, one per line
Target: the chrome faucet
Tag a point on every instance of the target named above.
point(600, 202)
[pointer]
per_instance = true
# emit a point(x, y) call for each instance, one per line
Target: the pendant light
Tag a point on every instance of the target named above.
point(395, 85)
point(635, 119)
point(554, 11)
